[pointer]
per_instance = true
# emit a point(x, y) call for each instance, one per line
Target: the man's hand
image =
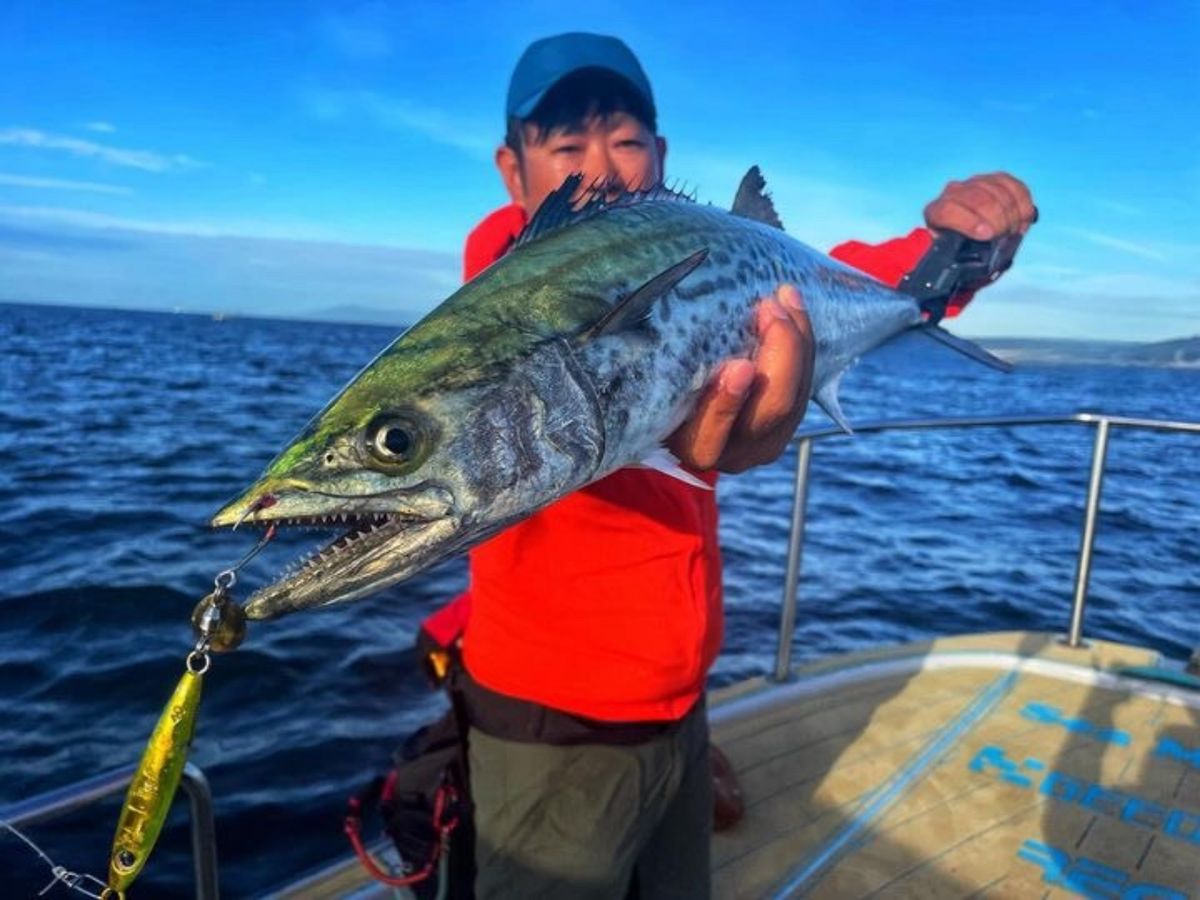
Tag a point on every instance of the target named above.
point(983, 207)
point(750, 410)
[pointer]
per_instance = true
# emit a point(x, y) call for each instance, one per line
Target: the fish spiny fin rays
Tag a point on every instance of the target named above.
point(561, 210)
point(633, 310)
point(969, 349)
point(663, 460)
point(827, 399)
point(753, 202)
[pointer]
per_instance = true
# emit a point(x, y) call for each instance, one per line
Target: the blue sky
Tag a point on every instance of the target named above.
point(291, 157)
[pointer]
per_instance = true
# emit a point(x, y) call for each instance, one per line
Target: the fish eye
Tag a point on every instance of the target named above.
point(392, 440)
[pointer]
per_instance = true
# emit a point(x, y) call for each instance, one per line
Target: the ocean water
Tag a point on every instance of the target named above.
point(120, 434)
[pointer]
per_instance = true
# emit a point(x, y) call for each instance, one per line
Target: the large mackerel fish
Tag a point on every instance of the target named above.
point(574, 355)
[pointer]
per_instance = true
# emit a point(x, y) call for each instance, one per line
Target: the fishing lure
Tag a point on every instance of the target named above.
point(220, 626)
point(156, 780)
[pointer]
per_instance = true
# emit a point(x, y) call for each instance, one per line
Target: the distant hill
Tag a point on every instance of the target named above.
point(1177, 353)
point(361, 315)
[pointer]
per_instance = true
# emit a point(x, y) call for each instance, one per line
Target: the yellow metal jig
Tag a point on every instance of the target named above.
point(156, 779)
point(220, 626)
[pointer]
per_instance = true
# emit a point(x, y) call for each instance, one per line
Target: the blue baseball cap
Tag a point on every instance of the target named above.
point(546, 62)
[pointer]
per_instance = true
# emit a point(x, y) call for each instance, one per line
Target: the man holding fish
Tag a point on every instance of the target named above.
point(588, 629)
point(565, 415)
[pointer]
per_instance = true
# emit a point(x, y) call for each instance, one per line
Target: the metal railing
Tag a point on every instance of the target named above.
point(204, 847)
point(1103, 425)
point(75, 796)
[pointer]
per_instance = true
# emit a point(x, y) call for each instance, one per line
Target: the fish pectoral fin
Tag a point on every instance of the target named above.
point(633, 310)
point(969, 349)
point(753, 202)
point(663, 460)
point(827, 399)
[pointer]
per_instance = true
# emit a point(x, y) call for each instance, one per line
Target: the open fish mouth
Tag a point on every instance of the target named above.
point(373, 547)
point(377, 550)
point(366, 533)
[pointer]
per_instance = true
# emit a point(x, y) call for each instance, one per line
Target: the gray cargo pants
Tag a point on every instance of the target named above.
point(587, 821)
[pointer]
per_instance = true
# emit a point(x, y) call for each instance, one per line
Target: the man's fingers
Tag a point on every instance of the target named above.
point(997, 204)
point(701, 440)
point(778, 363)
point(748, 412)
point(779, 395)
point(983, 214)
point(983, 207)
point(952, 214)
point(1026, 210)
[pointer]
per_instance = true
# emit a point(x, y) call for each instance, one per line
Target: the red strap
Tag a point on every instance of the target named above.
point(353, 828)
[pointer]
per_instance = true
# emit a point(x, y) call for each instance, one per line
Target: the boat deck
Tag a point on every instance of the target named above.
point(989, 766)
point(1002, 765)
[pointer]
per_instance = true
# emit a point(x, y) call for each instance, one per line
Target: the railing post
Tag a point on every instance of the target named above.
point(52, 804)
point(1083, 570)
point(204, 832)
point(787, 612)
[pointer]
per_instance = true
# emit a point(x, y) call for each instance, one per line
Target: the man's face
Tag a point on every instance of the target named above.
point(616, 149)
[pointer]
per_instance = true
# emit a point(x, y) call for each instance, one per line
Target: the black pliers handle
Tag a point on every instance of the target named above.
point(956, 264)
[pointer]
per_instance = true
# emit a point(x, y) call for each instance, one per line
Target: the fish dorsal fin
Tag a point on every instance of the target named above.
point(632, 310)
point(559, 210)
point(753, 202)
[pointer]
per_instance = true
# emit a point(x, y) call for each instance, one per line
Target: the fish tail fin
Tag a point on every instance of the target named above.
point(969, 349)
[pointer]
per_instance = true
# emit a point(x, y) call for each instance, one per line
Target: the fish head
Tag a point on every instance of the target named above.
point(415, 469)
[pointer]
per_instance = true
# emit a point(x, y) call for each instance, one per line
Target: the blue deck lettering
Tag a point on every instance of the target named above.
point(1091, 878)
point(1045, 714)
point(1171, 749)
point(1104, 801)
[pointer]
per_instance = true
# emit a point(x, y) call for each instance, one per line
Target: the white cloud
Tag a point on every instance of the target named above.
point(69, 256)
point(146, 160)
point(401, 114)
point(102, 127)
point(1130, 310)
point(1116, 206)
point(821, 212)
point(360, 34)
point(59, 184)
point(1116, 243)
point(82, 218)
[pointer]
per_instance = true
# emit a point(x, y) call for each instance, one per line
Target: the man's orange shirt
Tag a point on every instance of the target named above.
point(607, 603)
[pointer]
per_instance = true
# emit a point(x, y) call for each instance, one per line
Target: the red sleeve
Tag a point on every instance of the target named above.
point(892, 260)
point(445, 625)
point(491, 238)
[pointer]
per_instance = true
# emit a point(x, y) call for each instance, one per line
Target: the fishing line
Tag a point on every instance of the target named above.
point(254, 551)
point(75, 881)
point(220, 626)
